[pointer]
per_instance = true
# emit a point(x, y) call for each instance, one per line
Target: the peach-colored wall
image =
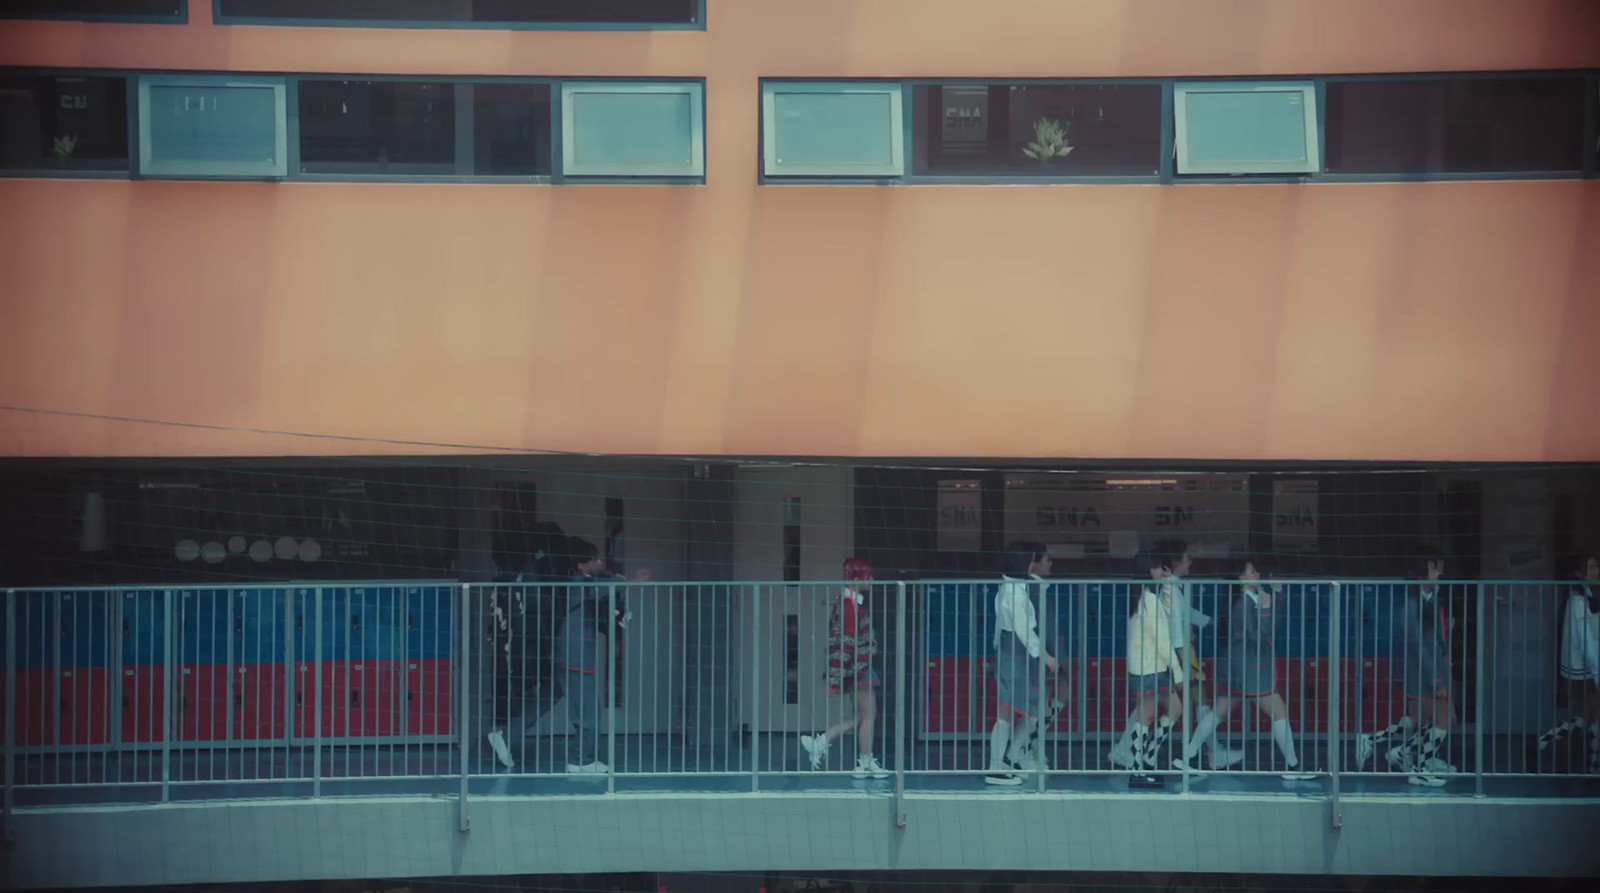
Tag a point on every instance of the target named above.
point(1434, 321)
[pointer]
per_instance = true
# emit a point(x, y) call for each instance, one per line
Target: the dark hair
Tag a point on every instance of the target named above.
point(580, 551)
point(1421, 556)
point(1145, 562)
point(1580, 562)
point(1170, 551)
point(1020, 554)
point(1255, 561)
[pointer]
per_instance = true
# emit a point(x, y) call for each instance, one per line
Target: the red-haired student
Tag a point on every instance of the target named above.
point(851, 647)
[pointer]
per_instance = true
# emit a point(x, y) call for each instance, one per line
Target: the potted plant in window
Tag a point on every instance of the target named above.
point(1049, 142)
point(64, 146)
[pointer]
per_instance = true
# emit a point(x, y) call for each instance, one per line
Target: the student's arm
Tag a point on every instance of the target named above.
point(1023, 621)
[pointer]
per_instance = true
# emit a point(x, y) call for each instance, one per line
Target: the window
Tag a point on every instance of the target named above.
point(127, 10)
point(832, 130)
point(1246, 127)
point(212, 127)
point(1455, 125)
point(424, 128)
point(63, 123)
point(632, 130)
point(1037, 130)
point(473, 13)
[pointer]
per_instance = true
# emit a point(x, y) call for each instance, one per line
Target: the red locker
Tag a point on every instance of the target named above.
point(258, 694)
point(143, 708)
point(430, 689)
point(376, 709)
point(949, 695)
point(85, 714)
point(335, 710)
point(203, 702)
point(1107, 690)
point(36, 695)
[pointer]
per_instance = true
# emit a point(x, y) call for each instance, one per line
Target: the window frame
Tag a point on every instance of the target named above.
point(1164, 133)
point(219, 18)
point(181, 17)
point(896, 90)
point(465, 142)
point(143, 165)
point(565, 164)
point(130, 84)
point(1311, 116)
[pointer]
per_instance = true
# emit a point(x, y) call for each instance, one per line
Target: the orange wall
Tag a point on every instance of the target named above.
point(1435, 321)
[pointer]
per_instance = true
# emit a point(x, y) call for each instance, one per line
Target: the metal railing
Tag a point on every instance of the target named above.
point(162, 693)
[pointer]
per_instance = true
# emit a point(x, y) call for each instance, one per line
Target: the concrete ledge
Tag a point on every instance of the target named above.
point(334, 838)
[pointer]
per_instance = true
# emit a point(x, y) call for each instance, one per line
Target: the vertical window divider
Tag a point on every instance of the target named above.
point(466, 151)
point(1591, 128)
point(557, 137)
point(1169, 140)
point(291, 126)
point(1321, 135)
point(908, 130)
point(135, 162)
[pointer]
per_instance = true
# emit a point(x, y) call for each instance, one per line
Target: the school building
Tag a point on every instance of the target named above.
point(346, 309)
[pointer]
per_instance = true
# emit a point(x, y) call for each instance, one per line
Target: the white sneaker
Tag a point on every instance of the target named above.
point(1181, 764)
point(1295, 774)
point(1037, 761)
point(502, 751)
point(1003, 778)
point(868, 765)
point(1121, 756)
point(1364, 749)
point(1224, 757)
point(1436, 766)
point(1427, 781)
point(816, 749)
point(594, 768)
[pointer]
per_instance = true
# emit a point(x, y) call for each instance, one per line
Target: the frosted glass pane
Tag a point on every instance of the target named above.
point(1247, 127)
point(834, 128)
point(632, 129)
point(213, 124)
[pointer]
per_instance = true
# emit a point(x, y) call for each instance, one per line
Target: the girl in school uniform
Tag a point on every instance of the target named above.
point(1151, 660)
point(1423, 651)
point(1019, 649)
point(1247, 672)
point(1580, 659)
point(852, 645)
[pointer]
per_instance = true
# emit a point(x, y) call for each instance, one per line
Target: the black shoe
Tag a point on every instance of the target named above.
point(1002, 778)
point(1144, 780)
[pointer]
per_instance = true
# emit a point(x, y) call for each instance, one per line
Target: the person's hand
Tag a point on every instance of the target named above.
point(643, 575)
point(1050, 663)
point(623, 617)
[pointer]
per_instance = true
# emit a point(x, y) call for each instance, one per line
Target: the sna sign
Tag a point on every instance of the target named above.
point(1058, 516)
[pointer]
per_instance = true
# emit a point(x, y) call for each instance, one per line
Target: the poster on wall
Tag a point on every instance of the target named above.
point(1116, 516)
point(960, 524)
point(1294, 516)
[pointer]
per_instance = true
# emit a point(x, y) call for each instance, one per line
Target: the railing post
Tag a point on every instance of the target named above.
point(1477, 694)
point(11, 708)
point(463, 691)
point(316, 688)
point(1041, 704)
point(611, 690)
point(1081, 667)
point(169, 676)
point(1335, 674)
point(1189, 678)
point(755, 689)
point(900, 704)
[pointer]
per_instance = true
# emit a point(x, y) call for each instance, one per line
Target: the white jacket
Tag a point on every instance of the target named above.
point(1150, 634)
point(1580, 638)
point(1013, 613)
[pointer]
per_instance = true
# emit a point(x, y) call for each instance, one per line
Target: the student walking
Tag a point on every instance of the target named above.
point(852, 645)
point(1018, 651)
point(1580, 660)
point(1247, 672)
point(1424, 653)
point(1151, 659)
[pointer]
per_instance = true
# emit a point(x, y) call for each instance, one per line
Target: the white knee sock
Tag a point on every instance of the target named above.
point(999, 740)
point(1127, 731)
point(1020, 741)
point(1284, 736)
point(1204, 731)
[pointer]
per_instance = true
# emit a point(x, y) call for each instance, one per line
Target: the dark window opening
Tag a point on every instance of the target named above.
point(509, 12)
point(63, 123)
point(1467, 125)
point(791, 658)
point(424, 128)
point(1037, 130)
point(791, 539)
point(91, 9)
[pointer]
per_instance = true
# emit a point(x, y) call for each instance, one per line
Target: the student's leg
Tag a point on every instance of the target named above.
point(1207, 720)
point(1282, 733)
point(866, 719)
point(526, 714)
point(1140, 731)
point(583, 706)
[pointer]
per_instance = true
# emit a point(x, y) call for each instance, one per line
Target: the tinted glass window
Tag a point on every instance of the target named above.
point(396, 127)
point(511, 129)
point(1037, 130)
point(511, 12)
point(1467, 125)
point(89, 9)
point(63, 123)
